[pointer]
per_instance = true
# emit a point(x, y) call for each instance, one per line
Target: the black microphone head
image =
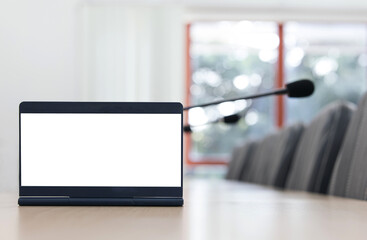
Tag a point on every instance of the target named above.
point(300, 88)
point(187, 129)
point(230, 119)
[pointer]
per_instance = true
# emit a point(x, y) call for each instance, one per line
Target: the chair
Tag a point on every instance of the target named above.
point(318, 148)
point(282, 153)
point(273, 157)
point(260, 158)
point(350, 173)
point(240, 156)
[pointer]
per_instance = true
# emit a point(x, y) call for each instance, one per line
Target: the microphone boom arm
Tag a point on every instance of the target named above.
point(276, 92)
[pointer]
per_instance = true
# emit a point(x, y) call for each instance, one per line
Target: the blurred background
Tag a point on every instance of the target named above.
point(188, 51)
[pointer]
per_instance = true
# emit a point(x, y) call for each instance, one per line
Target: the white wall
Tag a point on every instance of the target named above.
point(134, 53)
point(37, 62)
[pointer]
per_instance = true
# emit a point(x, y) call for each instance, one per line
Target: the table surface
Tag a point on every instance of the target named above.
point(214, 209)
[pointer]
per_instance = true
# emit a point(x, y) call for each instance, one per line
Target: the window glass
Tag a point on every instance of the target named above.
point(230, 59)
point(333, 56)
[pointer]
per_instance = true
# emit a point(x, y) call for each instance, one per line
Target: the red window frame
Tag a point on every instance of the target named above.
point(279, 102)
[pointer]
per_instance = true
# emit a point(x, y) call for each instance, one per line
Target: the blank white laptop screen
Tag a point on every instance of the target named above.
point(114, 150)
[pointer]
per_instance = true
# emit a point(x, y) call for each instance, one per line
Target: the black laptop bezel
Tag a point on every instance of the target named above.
point(103, 108)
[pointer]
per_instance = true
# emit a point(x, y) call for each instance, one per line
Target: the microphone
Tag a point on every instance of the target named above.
point(300, 88)
point(187, 129)
point(230, 119)
point(296, 89)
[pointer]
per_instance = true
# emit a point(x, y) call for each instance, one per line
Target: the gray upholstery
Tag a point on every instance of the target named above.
point(260, 159)
point(248, 165)
point(274, 155)
point(282, 154)
point(240, 155)
point(318, 148)
point(350, 172)
point(232, 165)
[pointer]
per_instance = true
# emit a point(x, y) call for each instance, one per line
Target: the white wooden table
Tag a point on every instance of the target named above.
point(214, 209)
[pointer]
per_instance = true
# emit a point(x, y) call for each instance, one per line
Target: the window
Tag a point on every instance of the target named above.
point(230, 59)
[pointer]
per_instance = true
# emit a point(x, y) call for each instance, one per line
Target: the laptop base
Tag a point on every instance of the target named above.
point(65, 201)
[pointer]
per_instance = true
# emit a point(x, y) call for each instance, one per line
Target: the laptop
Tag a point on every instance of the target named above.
point(100, 154)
